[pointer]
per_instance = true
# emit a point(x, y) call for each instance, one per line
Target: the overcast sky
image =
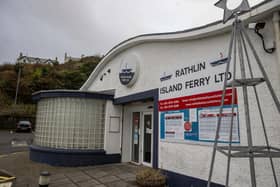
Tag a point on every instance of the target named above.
point(49, 28)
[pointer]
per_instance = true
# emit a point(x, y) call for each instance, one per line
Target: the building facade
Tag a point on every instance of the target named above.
point(160, 95)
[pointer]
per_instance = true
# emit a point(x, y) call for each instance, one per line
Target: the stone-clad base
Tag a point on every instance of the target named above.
point(66, 157)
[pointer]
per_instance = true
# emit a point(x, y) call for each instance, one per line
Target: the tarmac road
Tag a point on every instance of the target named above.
point(11, 141)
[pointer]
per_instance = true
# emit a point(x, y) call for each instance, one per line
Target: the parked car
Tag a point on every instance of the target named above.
point(24, 126)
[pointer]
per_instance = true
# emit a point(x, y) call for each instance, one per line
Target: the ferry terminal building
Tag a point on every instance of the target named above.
point(154, 99)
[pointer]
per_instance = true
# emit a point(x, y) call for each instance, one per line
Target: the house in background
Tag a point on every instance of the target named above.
point(35, 60)
point(72, 59)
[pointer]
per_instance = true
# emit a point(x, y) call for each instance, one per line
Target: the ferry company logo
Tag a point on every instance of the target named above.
point(129, 71)
point(222, 60)
point(219, 62)
point(165, 77)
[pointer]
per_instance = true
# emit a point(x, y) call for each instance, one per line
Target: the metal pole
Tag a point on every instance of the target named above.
point(232, 110)
point(221, 107)
point(18, 81)
point(247, 111)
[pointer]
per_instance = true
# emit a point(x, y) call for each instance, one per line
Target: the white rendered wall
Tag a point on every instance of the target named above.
point(193, 159)
point(112, 143)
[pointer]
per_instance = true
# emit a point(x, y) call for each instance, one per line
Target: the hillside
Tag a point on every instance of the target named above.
point(35, 77)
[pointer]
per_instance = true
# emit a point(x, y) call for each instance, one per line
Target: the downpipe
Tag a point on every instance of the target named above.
point(275, 20)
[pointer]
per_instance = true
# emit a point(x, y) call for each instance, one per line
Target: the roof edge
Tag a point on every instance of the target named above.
point(36, 96)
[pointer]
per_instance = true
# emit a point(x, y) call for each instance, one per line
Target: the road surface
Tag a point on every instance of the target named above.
point(11, 142)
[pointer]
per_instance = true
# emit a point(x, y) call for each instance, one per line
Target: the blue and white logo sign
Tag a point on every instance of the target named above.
point(129, 70)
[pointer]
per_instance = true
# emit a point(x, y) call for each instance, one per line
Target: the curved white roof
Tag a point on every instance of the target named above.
point(259, 11)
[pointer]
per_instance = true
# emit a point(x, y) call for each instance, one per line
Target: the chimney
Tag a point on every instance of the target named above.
point(65, 57)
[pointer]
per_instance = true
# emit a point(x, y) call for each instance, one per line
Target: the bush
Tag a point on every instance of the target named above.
point(149, 177)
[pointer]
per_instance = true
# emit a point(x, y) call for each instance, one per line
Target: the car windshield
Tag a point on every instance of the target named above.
point(24, 123)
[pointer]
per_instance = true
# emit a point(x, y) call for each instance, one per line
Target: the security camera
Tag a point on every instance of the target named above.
point(256, 26)
point(260, 25)
point(252, 26)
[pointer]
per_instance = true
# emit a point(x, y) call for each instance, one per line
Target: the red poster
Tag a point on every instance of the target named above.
point(202, 100)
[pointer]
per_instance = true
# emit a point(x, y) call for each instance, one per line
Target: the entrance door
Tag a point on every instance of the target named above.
point(147, 138)
point(135, 136)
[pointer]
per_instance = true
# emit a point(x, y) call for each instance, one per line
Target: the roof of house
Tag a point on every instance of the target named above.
point(36, 59)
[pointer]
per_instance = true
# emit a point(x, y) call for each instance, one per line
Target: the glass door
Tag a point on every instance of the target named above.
point(135, 136)
point(147, 140)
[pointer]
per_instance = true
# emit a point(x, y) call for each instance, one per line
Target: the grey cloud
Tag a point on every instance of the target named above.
point(48, 28)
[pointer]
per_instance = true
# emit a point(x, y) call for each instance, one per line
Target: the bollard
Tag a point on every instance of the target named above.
point(44, 179)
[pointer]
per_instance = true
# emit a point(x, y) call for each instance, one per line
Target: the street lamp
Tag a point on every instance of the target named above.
point(18, 81)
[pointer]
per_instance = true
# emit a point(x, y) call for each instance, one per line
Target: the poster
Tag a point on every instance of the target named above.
point(195, 117)
point(208, 120)
point(174, 126)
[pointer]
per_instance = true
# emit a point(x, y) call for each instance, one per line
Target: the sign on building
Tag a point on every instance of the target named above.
point(189, 102)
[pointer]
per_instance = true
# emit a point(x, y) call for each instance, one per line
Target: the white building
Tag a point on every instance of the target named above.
point(150, 101)
point(23, 59)
point(68, 58)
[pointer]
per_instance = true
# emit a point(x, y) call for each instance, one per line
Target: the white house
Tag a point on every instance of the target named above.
point(68, 58)
point(34, 60)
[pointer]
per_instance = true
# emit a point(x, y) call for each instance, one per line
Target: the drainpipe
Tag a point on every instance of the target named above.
point(122, 133)
point(276, 19)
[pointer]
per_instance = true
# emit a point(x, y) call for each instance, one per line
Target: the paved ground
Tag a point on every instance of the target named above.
point(27, 173)
point(14, 157)
point(13, 142)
